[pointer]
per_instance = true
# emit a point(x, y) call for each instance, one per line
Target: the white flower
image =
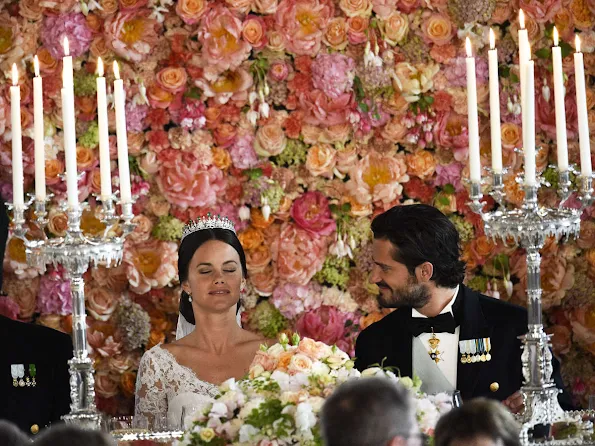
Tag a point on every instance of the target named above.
point(320, 368)
point(304, 417)
point(282, 379)
point(275, 350)
point(228, 385)
point(218, 410)
point(247, 433)
point(372, 371)
point(244, 213)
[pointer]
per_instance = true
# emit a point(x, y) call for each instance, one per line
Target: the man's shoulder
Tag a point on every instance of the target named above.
point(498, 311)
point(387, 323)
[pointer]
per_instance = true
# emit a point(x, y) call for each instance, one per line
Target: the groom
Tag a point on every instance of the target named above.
point(450, 336)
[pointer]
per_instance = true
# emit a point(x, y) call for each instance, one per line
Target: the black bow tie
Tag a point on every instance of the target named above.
point(443, 323)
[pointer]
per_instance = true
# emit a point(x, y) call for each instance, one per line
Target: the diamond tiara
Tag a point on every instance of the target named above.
point(208, 222)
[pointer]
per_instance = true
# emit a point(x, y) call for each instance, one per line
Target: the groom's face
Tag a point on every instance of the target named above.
point(398, 287)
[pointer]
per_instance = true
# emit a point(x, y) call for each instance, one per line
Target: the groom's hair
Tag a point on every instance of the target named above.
point(367, 412)
point(420, 233)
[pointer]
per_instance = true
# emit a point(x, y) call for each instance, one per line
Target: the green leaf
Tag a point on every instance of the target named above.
point(359, 89)
point(363, 107)
point(504, 71)
point(346, 207)
point(253, 174)
point(193, 93)
point(514, 77)
point(566, 48)
point(449, 189)
point(429, 100)
point(543, 53)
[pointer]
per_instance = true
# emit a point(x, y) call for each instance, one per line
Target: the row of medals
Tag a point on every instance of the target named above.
point(468, 358)
point(29, 382)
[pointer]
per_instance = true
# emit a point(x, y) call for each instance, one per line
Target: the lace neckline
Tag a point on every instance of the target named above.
point(169, 355)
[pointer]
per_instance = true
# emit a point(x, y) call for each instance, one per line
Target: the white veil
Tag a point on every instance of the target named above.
point(185, 328)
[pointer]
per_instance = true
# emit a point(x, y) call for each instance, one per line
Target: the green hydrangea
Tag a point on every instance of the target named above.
point(268, 320)
point(273, 195)
point(360, 230)
point(478, 283)
point(295, 153)
point(168, 229)
point(90, 139)
point(84, 83)
point(465, 228)
point(334, 272)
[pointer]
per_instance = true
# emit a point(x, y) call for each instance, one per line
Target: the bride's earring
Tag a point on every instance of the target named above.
point(190, 298)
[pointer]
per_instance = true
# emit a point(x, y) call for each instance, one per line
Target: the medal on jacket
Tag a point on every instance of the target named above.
point(463, 347)
point(32, 374)
point(18, 372)
point(434, 352)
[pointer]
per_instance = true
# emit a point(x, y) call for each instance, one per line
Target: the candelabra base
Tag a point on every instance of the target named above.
point(85, 420)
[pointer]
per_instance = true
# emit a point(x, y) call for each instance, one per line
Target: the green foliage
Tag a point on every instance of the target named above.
point(335, 272)
point(168, 229)
point(85, 84)
point(268, 320)
point(295, 154)
point(90, 139)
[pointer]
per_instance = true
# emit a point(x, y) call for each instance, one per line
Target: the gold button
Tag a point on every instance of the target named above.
point(34, 429)
point(494, 387)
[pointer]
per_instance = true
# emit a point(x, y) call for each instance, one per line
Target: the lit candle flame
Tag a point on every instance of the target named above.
point(577, 43)
point(492, 39)
point(468, 47)
point(522, 18)
point(66, 47)
point(99, 67)
point(15, 75)
point(556, 37)
point(116, 70)
point(36, 66)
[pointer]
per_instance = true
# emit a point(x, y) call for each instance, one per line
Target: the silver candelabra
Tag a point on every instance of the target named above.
point(75, 252)
point(529, 226)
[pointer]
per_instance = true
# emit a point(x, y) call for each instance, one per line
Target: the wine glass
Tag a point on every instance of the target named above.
point(457, 400)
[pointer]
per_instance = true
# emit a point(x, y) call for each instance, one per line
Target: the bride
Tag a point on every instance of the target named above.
point(210, 345)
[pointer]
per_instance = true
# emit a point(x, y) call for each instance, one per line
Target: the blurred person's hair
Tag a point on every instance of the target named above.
point(11, 435)
point(69, 435)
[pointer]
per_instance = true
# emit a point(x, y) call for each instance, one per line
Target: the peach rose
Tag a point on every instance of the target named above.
point(356, 8)
point(265, 6)
point(221, 158)
point(190, 11)
point(299, 363)
point(276, 41)
point(437, 28)
point(142, 230)
point(335, 35)
point(113, 279)
point(106, 384)
point(270, 140)
point(314, 349)
point(101, 303)
point(172, 79)
point(253, 31)
point(414, 80)
point(264, 282)
point(422, 164)
point(24, 293)
point(357, 29)
point(99, 48)
point(85, 158)
point(57, 222)
point(502, 12)
point(264, 360)
point(395, 130)
point(251, 238)
point(321, 160)
point(587, 235)
point(258, 259)
point(123, 362)
point(159, 97)
point(47, 64)
point(394, 28)
point(108, 7)
point(339, 133)
point(151, 264)
point(31, 9)
point(511, 135)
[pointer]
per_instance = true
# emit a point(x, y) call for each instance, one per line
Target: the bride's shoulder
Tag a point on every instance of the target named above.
point(258, 340)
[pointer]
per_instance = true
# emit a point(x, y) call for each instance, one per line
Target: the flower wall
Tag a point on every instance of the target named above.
point(325, 112)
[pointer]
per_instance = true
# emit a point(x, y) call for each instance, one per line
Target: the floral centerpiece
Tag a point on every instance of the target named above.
point(280, 400)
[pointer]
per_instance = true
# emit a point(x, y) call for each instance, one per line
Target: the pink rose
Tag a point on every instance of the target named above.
point(303, 23)
point(451, 131)
point(321, 110)
point(279, 70)
point(312, 213)
point(24, 293)
point(190, 11)
point(298, 254)
point(540, 10)
point(408, 6)
point(270, 140)
point(101, 303)
point(185, 183)
point(326, 324)
point(106, 385)
point(437, 29)
point(223, 47)
point(172, 79)
point(9, 308)
point(384, 8)
point(357, 29)
point(254, 31)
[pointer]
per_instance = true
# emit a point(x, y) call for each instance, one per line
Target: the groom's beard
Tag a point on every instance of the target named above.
point(412, 295)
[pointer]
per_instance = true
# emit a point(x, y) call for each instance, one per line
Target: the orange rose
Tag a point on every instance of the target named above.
point(128, 383)
point(357, 28)
point(53, 168)
point(47, 64)
point(421, 164)
point(85, 158)
point(514, 192)
point(158, 97)
point(108, 7)
point(94, 22)
point(57, 222)
point(221, 158)
point(511, 135)
point(31, 10)
point(284, 360)
point(483, 246)
point(190, 11)
point(366, 321)
point(253, 31)
point(100, 49)
point(258, 258)
point(172, 79)
point(86, 104)
point(156, 337)
point(335, 34)
point(583, 17)
point(251, 238)
point(270, 140)
point(321, 160)
point(356, 8)
point(258, 221)
point(437, 29)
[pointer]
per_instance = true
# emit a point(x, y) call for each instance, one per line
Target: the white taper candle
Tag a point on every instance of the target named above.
point(123, 167)
point(495, 106)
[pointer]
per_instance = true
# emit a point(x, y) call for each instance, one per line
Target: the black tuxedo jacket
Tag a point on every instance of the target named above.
point(479, 316)
point(34, 407)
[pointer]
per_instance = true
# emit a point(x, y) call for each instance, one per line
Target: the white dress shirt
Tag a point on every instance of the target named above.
point(449, 344)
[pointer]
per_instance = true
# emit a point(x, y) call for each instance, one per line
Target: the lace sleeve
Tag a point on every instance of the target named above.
point(151, 397)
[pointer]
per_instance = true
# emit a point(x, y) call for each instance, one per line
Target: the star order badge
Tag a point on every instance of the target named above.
point(435, 354)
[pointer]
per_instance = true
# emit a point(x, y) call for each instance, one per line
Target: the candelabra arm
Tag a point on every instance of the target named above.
point(475, 197)
point(586, 191)
point(564, 184)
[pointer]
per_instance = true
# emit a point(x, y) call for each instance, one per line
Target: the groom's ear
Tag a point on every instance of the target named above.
point(424, 272)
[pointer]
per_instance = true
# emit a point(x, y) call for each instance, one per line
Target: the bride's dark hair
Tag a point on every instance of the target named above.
point(187, 249)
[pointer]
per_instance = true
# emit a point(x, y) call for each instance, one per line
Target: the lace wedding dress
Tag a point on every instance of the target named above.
point(164, 387)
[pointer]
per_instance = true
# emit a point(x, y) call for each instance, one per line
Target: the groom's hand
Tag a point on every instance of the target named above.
point(515, 402)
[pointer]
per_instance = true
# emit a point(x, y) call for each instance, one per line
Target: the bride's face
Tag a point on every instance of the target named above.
point(214, 277)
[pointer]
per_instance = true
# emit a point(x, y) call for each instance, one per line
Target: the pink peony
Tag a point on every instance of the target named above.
point(377, 177)
point(223, 47)
point(333, 74)
point(9, 308)
point(135, 115)
point(541, 10)
point(302, 23)
point(545, 111)
point(311, 212)
point(298, 254)
point(185, 183)
point(132, 35)
point(74, 27)
point(451, 131)
point(325, 111)
point(326, 324)
point(449, 174)
point(292, 300)
point(54, 295)
point(225, 86)
point(151, 264)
